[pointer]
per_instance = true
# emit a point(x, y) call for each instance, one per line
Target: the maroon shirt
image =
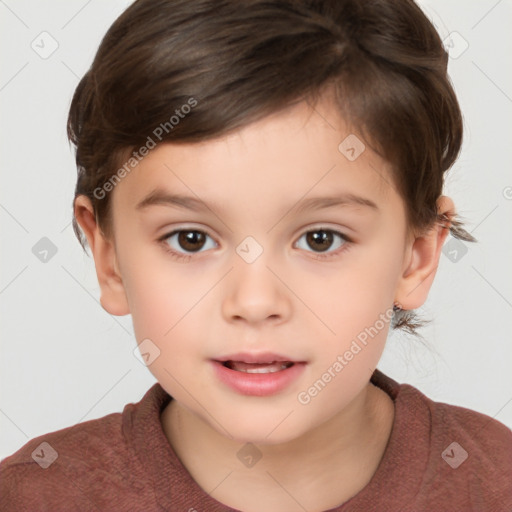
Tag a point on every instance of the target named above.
point(439, 458)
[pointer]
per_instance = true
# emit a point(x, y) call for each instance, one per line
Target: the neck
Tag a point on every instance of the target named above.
point(298, 474)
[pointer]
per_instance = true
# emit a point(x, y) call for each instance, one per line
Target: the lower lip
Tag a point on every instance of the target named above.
point(258, 384)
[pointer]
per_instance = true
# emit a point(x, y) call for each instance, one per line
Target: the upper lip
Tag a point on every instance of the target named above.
point(255, 357)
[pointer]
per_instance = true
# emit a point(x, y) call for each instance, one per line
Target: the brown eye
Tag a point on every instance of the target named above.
point(322, 240)
point(188, 241)
point(319, 240)
point(191, 240)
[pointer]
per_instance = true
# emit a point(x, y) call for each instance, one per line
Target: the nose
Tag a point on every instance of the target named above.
point(255, 294)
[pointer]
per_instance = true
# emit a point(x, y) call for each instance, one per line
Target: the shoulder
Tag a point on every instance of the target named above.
point(469, 455)
point(46, 471)
point(486, 440)
point(82, 467)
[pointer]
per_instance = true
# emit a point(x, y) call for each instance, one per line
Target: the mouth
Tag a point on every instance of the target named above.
point(270, 367)
point(262, 374)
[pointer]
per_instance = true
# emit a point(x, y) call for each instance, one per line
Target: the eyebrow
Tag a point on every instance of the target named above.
point(161, 197)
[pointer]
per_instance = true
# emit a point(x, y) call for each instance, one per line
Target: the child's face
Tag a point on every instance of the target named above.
point(227, 298)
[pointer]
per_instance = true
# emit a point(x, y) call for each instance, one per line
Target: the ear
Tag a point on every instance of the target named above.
point(113, 296)
point(422, 260)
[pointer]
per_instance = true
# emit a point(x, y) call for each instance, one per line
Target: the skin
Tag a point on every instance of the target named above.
point(287, 301)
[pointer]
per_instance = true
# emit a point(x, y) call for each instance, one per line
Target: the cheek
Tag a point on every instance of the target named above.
point(356, 307)
point(170, 310)
point(163, 296)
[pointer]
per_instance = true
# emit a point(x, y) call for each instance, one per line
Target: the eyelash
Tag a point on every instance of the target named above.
point(320, 256)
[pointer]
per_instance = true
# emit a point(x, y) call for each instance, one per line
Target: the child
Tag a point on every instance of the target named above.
point(301, 147)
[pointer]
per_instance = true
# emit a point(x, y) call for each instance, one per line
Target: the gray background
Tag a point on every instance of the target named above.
point(65, 360)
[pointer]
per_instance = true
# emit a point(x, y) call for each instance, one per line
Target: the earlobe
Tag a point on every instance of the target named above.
point(112, 292)
point(422, 260)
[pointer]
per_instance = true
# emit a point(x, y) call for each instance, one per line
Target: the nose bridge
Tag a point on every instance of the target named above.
point(254, 293)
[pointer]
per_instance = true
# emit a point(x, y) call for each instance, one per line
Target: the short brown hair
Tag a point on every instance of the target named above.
point(241, 60)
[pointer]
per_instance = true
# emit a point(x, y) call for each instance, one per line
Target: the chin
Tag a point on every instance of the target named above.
point(269, 431)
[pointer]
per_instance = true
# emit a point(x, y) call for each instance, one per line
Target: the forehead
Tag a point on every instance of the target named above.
point(291, 156)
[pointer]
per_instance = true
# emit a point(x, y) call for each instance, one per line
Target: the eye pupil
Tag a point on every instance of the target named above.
point(321, 237)
point(188, 240)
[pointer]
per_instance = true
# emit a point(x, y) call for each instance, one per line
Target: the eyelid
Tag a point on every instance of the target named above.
point(302, 231)
point(341, 230)
point(179, 255)
point(347, 241)
point(173, 230)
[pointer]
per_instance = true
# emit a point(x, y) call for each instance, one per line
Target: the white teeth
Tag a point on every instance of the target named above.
point(268, 369)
